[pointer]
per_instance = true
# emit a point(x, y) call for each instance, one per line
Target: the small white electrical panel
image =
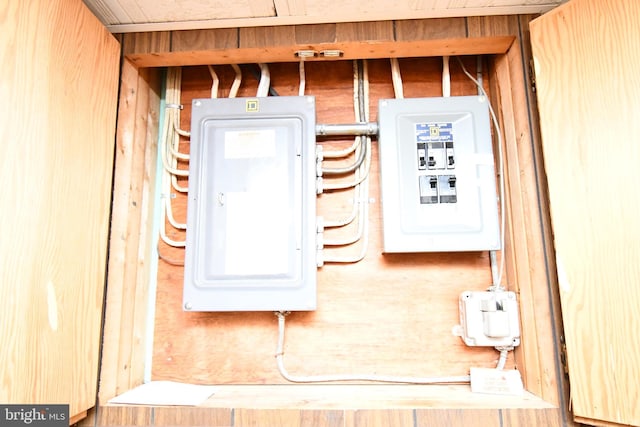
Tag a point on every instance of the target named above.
point(251, 231)
point(489, 319)
point(438, 183)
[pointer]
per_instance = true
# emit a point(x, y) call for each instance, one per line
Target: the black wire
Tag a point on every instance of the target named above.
point(256, 73)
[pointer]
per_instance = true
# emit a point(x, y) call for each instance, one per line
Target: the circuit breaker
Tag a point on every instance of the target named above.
point(438, 183)
point(251, 208)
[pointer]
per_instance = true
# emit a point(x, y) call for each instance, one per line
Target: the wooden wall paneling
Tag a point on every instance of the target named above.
point(431, 37)
point(365, 31)
point(365, 396)
point(590, 133)
point(491, 26)
point(128, 269)
point(290, 7)
point(532, 417)
point(195, 40)
point(193, 417)
point(146, 43)
point(546, 226)
point(528, 244)
point(59, 92)
point(430, 29)
point(288, 418)
point(458, 417)
point(124, 416)
point(315, 34)
point(145, 15)
point(147, 117)
point(265, 37)
point(90, 418)
point(382, 417)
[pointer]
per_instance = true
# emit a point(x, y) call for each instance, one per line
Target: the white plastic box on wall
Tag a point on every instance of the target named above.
point(438, 180)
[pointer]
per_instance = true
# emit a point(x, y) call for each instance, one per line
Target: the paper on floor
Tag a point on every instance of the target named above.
point(168, 393)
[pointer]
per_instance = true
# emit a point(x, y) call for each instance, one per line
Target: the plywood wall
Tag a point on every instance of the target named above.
point(389, 314)
point(591, 134)
point(58, 88)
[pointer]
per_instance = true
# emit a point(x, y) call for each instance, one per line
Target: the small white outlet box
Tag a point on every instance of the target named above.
point(489, 319)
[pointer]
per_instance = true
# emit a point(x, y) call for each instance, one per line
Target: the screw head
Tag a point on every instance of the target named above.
point(197, 103)
point(187, 306)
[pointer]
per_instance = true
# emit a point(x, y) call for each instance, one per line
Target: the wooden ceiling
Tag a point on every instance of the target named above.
point(159, 15)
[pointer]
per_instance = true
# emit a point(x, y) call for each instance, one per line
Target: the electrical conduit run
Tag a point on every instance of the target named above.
point(352, 377)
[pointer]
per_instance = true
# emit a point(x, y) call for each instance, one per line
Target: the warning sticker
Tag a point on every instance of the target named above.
point(434, 132)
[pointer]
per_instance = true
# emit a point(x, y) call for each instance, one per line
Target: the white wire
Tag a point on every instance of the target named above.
point(358, 235)
point(336, 186)
point(503, 214)
point(233, 92)
point(503, 359)
point(216, 82)
point(342, 153)
point(173, 148)
point(265, 81)
point(172, 220)
point(357, 143)
point(169, 139)
point(446, 77)
point(303, 80)
point(364, 239)
point(363, 187)
point(347, 220)
point(396, 78)
point(352, 377)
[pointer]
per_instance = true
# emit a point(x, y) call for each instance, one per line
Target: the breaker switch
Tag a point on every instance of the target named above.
point(436, 152)
point(428, 189)
point(422, 156)
point(447, 189)
point(451, 159)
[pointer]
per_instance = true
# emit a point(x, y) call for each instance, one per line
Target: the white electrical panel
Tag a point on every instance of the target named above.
point(438, 182)
point(251, 235)
point(489, 319)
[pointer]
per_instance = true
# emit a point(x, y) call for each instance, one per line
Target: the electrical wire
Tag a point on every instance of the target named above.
point(216, 82)
point(446, 77)
point(303, 80)
point(396, 78)
point(503, 358)
point(235, 86)
point(346, 377)
point(336, 186)
point(361, 219)
point(357, 144)
point(497, 285)
point(265, 81)
point(346, 169)
point(361, 110)
point(172, 220)
point(169, 142)
point(496, 276)
point(171, 261)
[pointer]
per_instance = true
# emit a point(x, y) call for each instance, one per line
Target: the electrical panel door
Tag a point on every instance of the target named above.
point(438, 182)
point(251, 210)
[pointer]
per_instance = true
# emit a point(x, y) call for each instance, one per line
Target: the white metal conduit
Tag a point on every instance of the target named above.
point(352, 377)
point(361, 177)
